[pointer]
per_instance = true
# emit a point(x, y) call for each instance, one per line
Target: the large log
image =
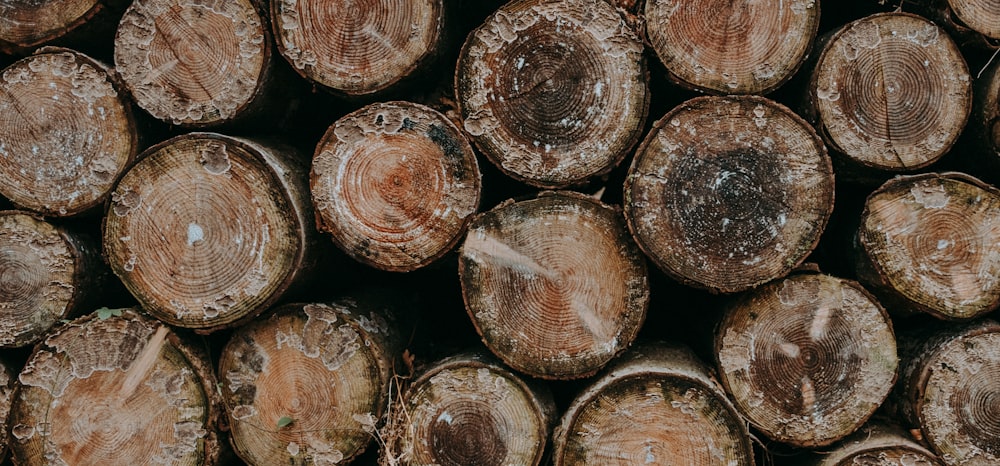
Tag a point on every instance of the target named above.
point(553, 92)
point(727, 193)
point(68, 132)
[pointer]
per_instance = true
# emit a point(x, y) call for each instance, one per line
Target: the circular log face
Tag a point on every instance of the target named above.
point(553, 91)
point(554, 285)
point(890, 456)
point(935, 240)
point(201, 231)
point(356, 46)
point(732, 47)
point(190, 62)
point(37, 284)
point(304, 386)
point(66, 133)
point(807, 359)
point(395, 184)
point(28, 23)
point(113, 391)
point(473, 414)
point(727, 193)
point(892, 91)
point(980, 15)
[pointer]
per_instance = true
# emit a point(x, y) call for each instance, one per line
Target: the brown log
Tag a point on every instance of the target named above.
point(308, 384)
point(115, 389)
point(727, 193)
point(47, 274)
point(807, 359)
point(731, 47)
point(553, 92)
point(658, 404)
point(554, 285)
point(25, 25)
point(7, 380)
point(930, 243)
point(395, 185)
point(361, 47)
point(984, 123)
point(877, 444)
point(890, 92)
point(207, 231)
point(68, 132)
point(948, 389)
point(469, 409)
point(973, 23)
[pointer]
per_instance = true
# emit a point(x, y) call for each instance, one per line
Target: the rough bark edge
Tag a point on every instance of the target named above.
point(873, 437)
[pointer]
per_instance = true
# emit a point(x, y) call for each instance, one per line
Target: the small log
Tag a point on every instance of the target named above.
point(554, 285)
point(395, 185)
point(25, 25)
point(948, 389)
point(877, 445)
point(68, 132)
point(727, 193)
point(984, 123)
point(553, 92)
point(929, 243)
point(115, 387)
point(308, 384)
point(728, 47)
point(807, 359)
point(357, 48)
point(973, 23)
point(47, 273)
point(7, 380)
point(469, 409)
point(207, 231)
point(658, 404)
point(890, 92)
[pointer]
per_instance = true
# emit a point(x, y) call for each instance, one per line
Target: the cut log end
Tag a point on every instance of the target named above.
point(892, 92)
point(932, 240)
point(553, 92)
point(807, 359)
point(554, 285)
point(395, 184)
point(189, 63)
point(732, 48)
point(68, 133)
point(983, 16)
point(357, 48)
point(27, 24)
point(204, 230)
point(727, 193)
point(877, 445)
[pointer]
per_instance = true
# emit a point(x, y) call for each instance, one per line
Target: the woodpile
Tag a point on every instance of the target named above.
point(489, 232)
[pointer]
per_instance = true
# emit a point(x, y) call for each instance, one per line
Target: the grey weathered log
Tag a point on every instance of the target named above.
point(877, 444)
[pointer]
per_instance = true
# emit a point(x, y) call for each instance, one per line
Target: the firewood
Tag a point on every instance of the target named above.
point(553, 92)
point(658, 404)
point(984, 123)
point(25, 25)
point(731, 47)
point(807, 359)
point(308, 384)
point(877, 444)
point(927, 243)
point(395, 184)
point(727, 193)
point(973, 23)
point(47, 273)
point(208, 230)
point(470, 409)
point(115, 387)
point(68, 132)
point(554, 285)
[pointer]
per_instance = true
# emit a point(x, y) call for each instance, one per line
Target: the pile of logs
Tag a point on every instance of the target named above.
point(470, 232)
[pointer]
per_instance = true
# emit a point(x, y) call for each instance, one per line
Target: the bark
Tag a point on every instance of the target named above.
point(49, 273)
point(554, 285)
point(658, 404)
point(115, 390)
point(25, 25)
point(807, 359)
point(553, 92)
point(727, 193)
point(357, 48)
point(948, 390)
point(877, 444)
point(307, 385)
point(929, 243)
point(68, 131)
point(469, 409)
point(207, 231)
point(890, 92)
point(728, 47)
point(395, 185)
